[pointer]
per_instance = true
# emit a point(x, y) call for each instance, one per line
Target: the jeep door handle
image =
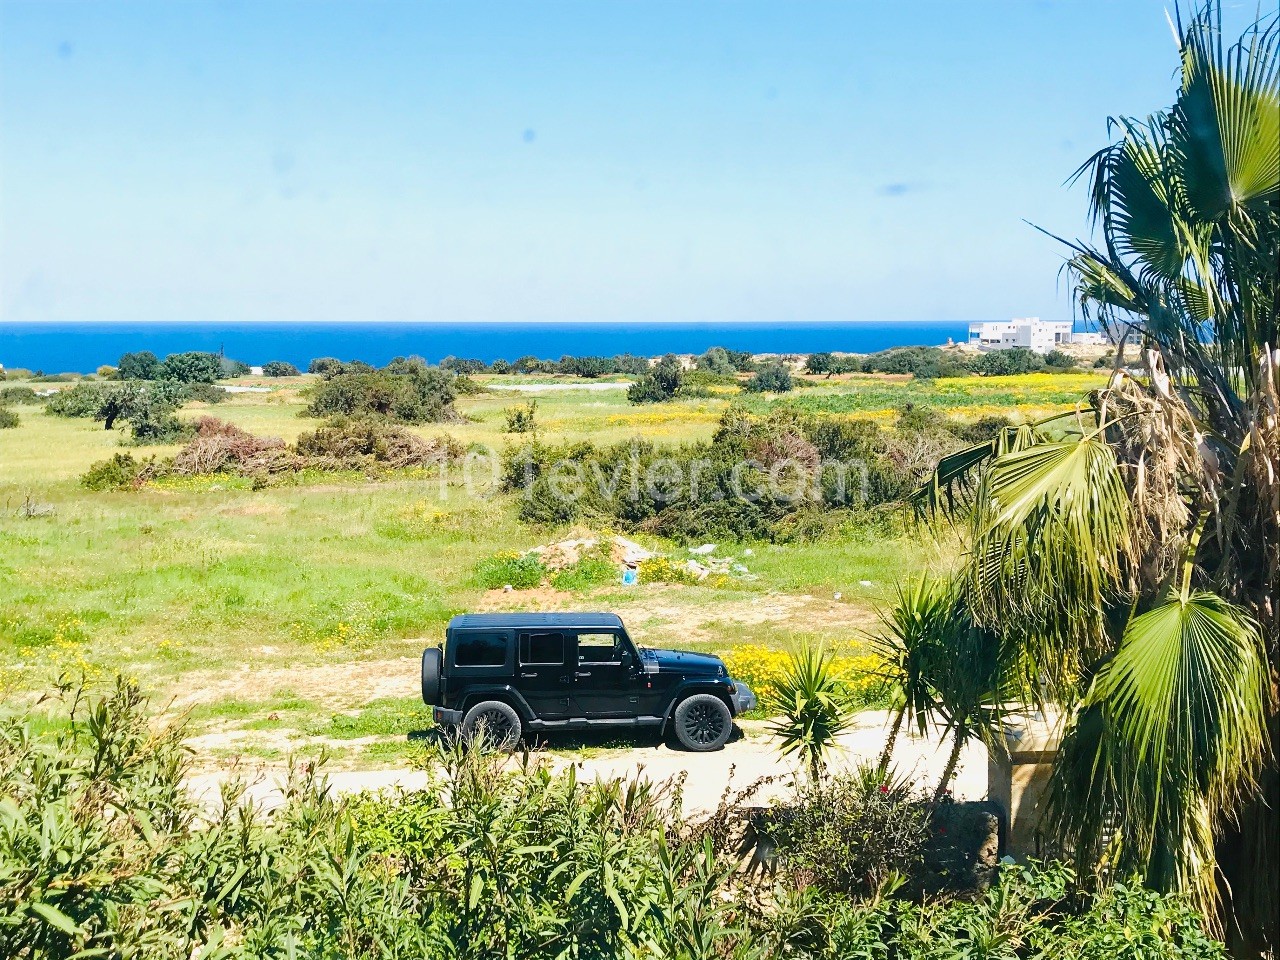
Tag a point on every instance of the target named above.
point(528, 675)
point(587, 674)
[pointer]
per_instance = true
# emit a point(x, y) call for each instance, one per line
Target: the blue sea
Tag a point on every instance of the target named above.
point(83, 347)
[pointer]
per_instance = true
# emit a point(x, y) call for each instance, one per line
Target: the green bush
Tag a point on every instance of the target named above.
point(590, 571)
point(1007, 362)
point(121, 472)
point(105, 852)
point(82, 400)
point(143, 365)
point(716, 361)
point(16, 373)
point(523, 571)
point(522, 419)
point(771, 378)
point(19, 395)
point(830, 363)
point(8, 419)
point(56, 378)
point(192, 367)
point(417, 396)
point(1059, 360)
point(922, 362)
point(203, 392)
point(661, 383)
point(849, 833)
point(279, 368)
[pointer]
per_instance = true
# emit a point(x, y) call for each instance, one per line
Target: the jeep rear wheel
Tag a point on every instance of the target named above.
point(702, 723)
point(496, 721)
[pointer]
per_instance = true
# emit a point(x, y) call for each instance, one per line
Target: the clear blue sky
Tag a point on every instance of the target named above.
point(556, 161)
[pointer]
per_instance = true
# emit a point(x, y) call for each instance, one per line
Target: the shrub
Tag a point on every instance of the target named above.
point(1011, 361)
point(15, 373)
point(143, 365)
point(55, 377)
point(816, 707)
point(1059, 360)
point(629, 364)
point(106, 372)
point(421, 396)
point(325, 366)
point(830, 363)
point(105, 852)
point(82, 400)
point(19, 395)
point(522, 419)
point(771, 378)
point(464, 365)
point(192, 367)
point(203, 392)
point(660, 569)
point(8, 419)
point(592, 570)
point(523, 571)
point(661, 383)
point(983, 429)
point(716, 360)
point(400, 366)
point(279, 368)
point(155, 426)
point(121, 472)
point(589, 367)
point(922, 362)
point(232, 368)
point(849, 833)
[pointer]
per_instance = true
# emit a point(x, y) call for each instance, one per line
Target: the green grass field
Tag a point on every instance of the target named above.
point(292, 616)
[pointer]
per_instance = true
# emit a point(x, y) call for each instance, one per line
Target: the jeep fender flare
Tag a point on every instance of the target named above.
point(689, 687)
point(497, 691)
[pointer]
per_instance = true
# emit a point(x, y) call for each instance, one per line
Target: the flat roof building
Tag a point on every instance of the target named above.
point(1029, 332)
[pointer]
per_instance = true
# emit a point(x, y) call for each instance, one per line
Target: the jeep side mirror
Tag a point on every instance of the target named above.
point(627, 659)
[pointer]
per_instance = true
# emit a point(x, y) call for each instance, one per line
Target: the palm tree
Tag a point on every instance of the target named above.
point(944, 668)
point(1132, 549)
point(816, 708)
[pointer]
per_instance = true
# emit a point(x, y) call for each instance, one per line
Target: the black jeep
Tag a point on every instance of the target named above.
point(514, 673)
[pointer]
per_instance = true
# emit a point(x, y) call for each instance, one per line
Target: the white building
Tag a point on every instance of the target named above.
point(1030, 332)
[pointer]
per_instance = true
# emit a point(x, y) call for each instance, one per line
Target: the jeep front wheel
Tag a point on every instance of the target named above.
point(496, 721)
point(702, 722)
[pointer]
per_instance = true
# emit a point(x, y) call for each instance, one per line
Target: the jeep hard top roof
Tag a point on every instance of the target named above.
point(507, 621)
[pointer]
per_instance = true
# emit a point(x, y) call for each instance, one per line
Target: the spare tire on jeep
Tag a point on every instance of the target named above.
point(431, 659)
point(702, 722)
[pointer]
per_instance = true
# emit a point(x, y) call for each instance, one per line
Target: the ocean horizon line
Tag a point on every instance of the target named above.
point(82, 346)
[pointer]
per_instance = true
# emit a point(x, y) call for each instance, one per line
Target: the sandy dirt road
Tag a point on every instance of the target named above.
point(748, 758)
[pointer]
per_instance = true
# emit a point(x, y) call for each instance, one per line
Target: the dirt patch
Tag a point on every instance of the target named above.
point(338, 685)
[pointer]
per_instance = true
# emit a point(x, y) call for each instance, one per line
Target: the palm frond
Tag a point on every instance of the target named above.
point(1053, 527)
point(1169, 741)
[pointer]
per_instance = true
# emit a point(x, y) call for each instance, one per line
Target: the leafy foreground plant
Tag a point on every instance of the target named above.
point(816, 707)
point(103, 853)
point(1133, 549)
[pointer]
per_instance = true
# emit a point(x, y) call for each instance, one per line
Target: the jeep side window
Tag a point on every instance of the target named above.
point(480, 649)
point(542, 649)
point(599, 648)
